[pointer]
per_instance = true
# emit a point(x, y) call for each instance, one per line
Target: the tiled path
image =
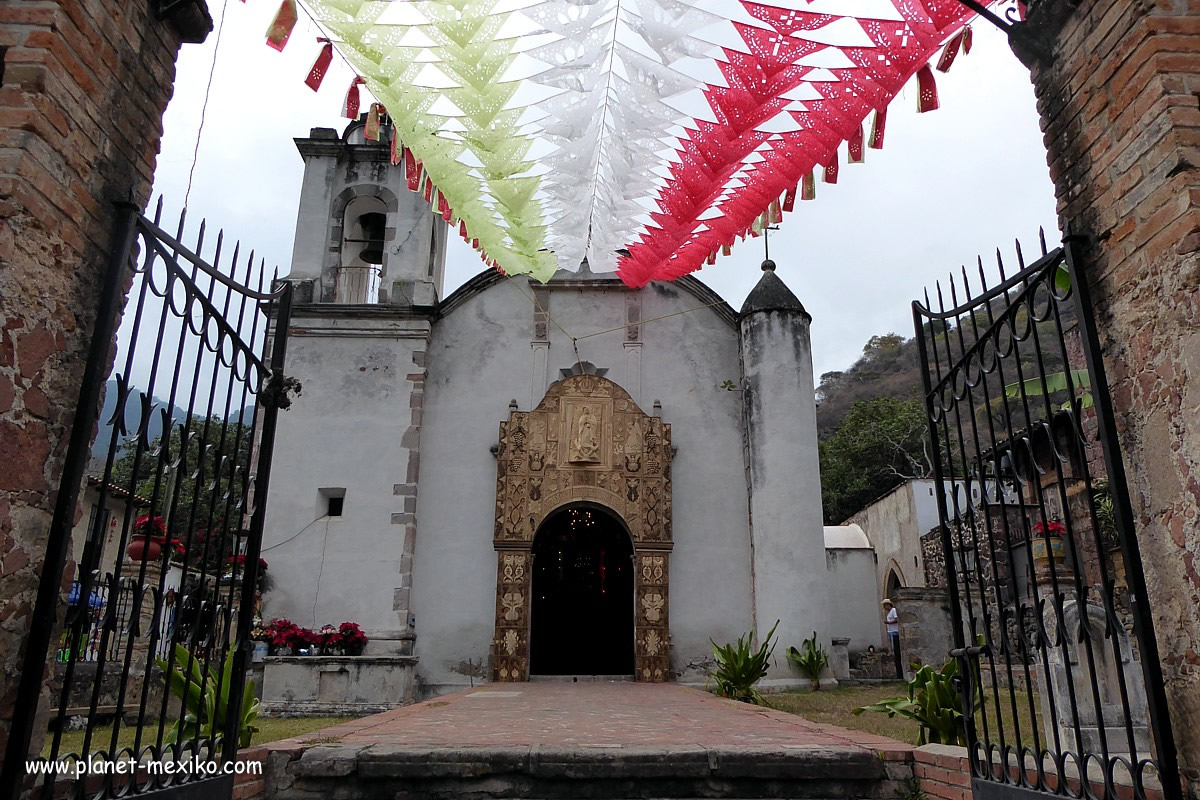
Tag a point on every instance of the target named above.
point(600, 715)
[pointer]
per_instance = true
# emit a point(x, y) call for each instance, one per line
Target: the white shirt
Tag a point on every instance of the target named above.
point(893, 621)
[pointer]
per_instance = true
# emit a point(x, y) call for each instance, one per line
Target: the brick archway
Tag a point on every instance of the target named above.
point(586, 442)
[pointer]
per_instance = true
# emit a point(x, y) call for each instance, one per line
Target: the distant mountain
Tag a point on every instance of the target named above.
point(133, 411)
point(891, 366)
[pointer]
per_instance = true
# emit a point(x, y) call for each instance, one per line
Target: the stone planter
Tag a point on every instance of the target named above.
point(142, 546)
point(1044, 550)
point(338, 684)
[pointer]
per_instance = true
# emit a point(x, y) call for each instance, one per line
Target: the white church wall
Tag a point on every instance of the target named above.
point(853, 610)
point(346, 432)
point(685, 361)
point(480, 357)
point(475, 367)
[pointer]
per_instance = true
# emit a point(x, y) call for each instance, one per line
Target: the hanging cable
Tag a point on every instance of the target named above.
point(294, 535)
point(204, 106)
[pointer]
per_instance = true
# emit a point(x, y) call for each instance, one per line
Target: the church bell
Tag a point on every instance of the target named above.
point(372, 226)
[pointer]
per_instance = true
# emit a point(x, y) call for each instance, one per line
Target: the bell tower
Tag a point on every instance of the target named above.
point(362, 238)
point(367, 267)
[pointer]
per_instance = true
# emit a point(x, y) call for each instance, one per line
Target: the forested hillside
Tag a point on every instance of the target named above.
point(871, 416)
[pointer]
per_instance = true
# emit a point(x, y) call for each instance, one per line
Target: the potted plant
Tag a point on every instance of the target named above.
point(261, 639)
point(147, 539)
point(283, 636)
point(353, 640)
point(1049, 543)
point(331, 640)
point(310, 641)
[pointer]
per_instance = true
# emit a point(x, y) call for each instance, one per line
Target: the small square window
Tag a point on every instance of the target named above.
point(331, 502)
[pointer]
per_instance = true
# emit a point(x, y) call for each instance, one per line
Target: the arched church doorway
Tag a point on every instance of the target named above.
point(582, 616)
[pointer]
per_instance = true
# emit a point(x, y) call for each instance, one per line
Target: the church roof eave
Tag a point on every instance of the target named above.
point(489, 277)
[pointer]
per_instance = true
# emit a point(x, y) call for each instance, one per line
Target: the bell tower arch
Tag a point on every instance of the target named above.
point(586, 442)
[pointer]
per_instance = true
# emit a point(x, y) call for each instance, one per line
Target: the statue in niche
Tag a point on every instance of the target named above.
point(585, 443)
point(633, 447)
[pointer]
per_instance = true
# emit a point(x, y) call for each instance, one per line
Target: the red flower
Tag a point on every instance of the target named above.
point(1052, 528)
point(240, 561)
point(151, 527)
point(351, 634)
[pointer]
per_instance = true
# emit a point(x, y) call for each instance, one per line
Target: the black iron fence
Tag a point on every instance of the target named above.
point(1061, 686)
point(147, 654)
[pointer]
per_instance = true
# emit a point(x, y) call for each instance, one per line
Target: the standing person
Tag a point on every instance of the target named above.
point(892, 618)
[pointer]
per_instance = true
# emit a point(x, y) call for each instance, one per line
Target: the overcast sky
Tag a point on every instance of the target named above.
point(948, 185)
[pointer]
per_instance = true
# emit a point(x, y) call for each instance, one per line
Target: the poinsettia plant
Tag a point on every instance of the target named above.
point(239, 561)
point(353, 640)
point(1051, 528)
point(150, 527)
point(331, 638)
point(283, 634)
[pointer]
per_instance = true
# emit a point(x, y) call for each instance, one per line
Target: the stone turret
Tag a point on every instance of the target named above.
point(786, 534)
point(361, 236)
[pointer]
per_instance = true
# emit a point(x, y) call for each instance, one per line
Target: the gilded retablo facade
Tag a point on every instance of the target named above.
point(587, 441)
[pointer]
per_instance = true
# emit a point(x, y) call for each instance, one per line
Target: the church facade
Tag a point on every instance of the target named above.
point(517, 479)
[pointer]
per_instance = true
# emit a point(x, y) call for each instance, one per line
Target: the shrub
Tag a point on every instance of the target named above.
point(934, 703)
point(811, 661)
point(739, 667)
point(205, 698)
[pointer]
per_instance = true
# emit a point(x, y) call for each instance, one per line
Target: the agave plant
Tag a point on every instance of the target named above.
point(205, 698)
point(740, 666)
point(934, 703)
point(811, 661)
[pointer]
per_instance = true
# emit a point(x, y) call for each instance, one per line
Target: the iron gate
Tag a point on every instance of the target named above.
point(1059, 675)
point(166, 568)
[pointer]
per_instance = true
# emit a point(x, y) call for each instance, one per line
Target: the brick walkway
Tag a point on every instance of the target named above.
point(600, 741)
point(601, 715)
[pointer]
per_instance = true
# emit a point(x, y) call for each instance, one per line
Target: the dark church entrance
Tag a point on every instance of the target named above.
point(582, 615)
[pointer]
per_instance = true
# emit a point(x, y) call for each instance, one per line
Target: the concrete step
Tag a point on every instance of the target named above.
point(581, 679)
point(620, 772)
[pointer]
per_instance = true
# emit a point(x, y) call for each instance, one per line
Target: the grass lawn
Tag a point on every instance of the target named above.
point(270, 729)
point(832, 706)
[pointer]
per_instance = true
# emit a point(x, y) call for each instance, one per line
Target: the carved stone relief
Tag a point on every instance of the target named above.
point(587, 441)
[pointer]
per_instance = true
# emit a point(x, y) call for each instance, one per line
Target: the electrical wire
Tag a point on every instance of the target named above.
point(294, 535)
point(204, 106)
point(320, 572)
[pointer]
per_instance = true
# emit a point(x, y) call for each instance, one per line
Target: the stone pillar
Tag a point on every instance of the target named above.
point(1118, 104)
point(84, 87)
point(839, 658)
point(787, 539)
point(926, 630)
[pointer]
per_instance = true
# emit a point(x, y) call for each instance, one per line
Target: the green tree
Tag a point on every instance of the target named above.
point(197, 482)
point(878, 445)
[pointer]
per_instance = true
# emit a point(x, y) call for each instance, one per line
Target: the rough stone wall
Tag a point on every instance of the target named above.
point(83, 85)
point(1121, 117)
point(926, 632)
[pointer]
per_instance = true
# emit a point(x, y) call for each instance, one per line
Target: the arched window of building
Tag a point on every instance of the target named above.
point(893, 583)
point(360, 270)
